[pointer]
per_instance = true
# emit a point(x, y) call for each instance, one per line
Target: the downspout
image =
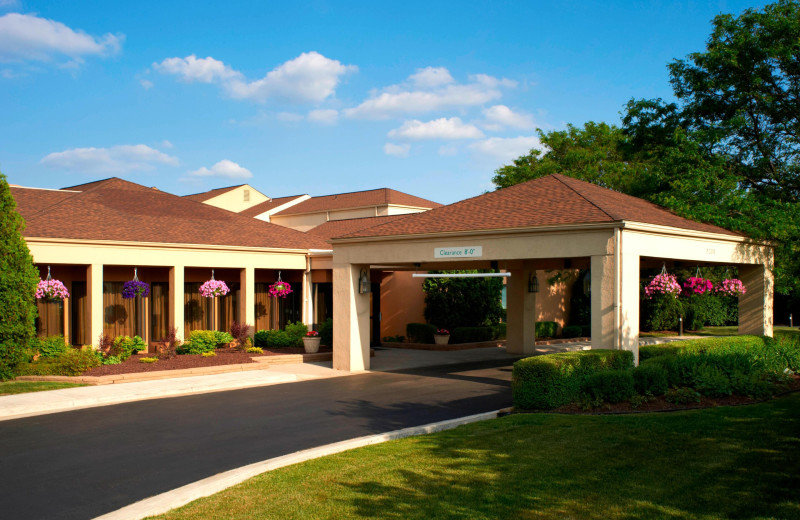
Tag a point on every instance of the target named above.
point(617, 288)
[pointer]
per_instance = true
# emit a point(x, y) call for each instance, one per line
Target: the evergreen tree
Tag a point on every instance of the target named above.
point(18, 279)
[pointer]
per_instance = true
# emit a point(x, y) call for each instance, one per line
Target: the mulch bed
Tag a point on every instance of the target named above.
point(223, 357)
point(660, 404)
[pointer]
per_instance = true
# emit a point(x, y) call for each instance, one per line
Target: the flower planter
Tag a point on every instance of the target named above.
point(441, 339)
point(311, 344)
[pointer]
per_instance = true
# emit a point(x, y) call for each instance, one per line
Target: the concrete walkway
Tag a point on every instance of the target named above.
point(386, 359)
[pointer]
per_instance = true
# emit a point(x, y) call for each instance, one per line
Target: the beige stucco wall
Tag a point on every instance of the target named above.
point(402, 302)
point(233, 200)
point(300, 222)
point(552, 300)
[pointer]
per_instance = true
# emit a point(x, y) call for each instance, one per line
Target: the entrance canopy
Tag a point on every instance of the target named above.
point(553, 222)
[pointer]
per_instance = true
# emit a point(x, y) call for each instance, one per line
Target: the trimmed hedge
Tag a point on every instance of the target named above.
point(571, 331)
point(613, 386)
point(420, 332)
point(471, 334)
point(500, 331)
point(49, 347)
point(73, 362)
point(547, 382)
point(546, 329)
point(651, 379)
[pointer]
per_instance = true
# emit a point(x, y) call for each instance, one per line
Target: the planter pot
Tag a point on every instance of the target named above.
point(441, 339)
point(311, 344)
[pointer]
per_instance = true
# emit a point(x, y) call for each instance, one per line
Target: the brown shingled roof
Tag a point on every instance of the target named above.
point(546, 201)
point(265, 206)
point(33, 200)
point(206, 195)
point(358, 199)
point(124, 211)
point(337, 228)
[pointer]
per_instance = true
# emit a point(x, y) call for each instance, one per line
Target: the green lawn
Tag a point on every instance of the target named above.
point(740, 462)
point(22, 387)
point(721, 331)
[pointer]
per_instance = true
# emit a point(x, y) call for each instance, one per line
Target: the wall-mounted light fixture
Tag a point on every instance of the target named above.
point(363, 282)
point(533, 283)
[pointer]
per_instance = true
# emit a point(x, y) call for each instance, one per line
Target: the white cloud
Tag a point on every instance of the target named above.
point(431, 77)
point(500, 116)
point(289, 117)
point(506, 149)
point(324, 116)
point(448, 150)
point(146, 83)
point(398, 99)
point(311, 77)
point(115, 160)
point(191, 69)
point(28, 37)
point(166, 144)
point(442, 128)
point(398, 150)
point(224, 168)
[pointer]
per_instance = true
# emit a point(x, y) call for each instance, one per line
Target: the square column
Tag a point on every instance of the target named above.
point(755, 306)
point(520, 313)
point(176, 299)
point(247, 297)
point(629, 305)
point(94, 292)
point(603, 334)
point(307, 303)
point(351, 320)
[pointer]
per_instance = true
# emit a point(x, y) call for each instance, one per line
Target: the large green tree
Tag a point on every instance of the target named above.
point(726, 152)
point(18, 279)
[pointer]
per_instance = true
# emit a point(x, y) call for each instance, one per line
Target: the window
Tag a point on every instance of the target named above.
point(247, 195)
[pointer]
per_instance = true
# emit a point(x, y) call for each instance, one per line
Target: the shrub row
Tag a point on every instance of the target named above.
point(201, 341)
point(291, 336)
point(71, 362)
point(546, 329)
point(547, 382)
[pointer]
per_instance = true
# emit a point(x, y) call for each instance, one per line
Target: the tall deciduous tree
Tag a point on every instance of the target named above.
point(18, 279)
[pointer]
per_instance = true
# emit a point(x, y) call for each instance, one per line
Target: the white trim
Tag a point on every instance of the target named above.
point(162, 245)
point(461, 275)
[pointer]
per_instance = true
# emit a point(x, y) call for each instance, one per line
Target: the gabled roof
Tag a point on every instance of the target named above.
point(119, 210)
point(206, 195)
point(358, 199)
point(265, 206)
point(547, 201)
point(337, 228)
point(33, 200)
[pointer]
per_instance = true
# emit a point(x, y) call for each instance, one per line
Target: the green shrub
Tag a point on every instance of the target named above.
point(255, 350)
point(752, 385)
point(73, 362)
point(201, 341)
point(586, 331)
point(471, 334)
point(125, 346)
point(260, 338)
point(571, 331)
point(209, 354)
point(682, 396)
point(650, 379)
point(661, 312)
point(546, 329)
point(273, 339)
point(326, 332)
point(110, 360)
point(462, 302)
point(296, 332)
point(148, 360)
point(669, 364)
point(393, 339)
point(420, 332)
point(500, 331)
point(49, 347)
point(18, 279)
point(711, 381)
point(547, 382)
point(612, 386)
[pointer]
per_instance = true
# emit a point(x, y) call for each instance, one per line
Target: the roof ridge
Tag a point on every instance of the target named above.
point(98, 185)
point(560, 178)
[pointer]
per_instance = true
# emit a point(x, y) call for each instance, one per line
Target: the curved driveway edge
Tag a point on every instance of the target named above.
point(181, 496)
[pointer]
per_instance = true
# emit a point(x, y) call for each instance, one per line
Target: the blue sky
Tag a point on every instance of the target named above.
point(319, 97)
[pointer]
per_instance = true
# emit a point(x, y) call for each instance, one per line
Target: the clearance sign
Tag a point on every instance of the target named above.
point(458, 252)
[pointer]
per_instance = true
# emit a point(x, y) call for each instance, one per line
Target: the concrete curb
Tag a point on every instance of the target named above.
point(181, 496)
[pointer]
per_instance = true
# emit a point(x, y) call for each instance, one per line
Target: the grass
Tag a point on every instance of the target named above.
point(23, 387)
point(721, 331)
point(741, 462)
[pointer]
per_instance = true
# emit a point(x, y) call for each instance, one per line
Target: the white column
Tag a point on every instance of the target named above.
point(629, 305)
point(94, 291)
point(603, 334)
point(247, 297)
point(176, 299)
point(308, 306)
point(520, 313)
point(755, 306)
point(350, 320)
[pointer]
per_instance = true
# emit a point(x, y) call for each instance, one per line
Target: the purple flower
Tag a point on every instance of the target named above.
point(134, 288)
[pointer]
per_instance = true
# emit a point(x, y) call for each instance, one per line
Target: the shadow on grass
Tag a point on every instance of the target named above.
point(740, 462)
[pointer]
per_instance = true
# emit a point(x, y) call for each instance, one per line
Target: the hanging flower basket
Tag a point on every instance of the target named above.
point(663, 283)
point(134, 288)
point(697, 285)
point(280, 289)
point(213, 288)
point(50, 289)
point(732, 287)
